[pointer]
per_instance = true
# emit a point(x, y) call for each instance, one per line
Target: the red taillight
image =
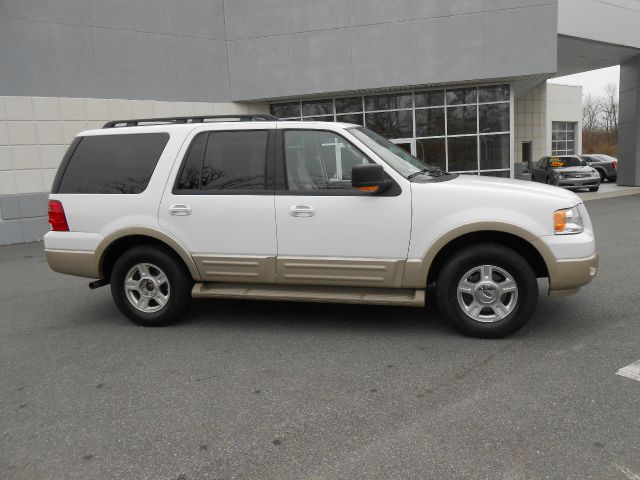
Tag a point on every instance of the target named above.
point(57, 218)
point(615, 165)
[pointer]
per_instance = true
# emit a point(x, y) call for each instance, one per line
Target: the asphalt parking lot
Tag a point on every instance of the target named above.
point(255, 390)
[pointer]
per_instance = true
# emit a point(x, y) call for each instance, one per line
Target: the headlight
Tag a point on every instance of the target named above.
point(567, 221)
point(595, 173)
point(556, 175)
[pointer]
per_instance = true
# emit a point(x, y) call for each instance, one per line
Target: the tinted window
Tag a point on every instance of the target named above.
point(319, 160)
point(112, 164)
point(235, 160)
point(190, 175)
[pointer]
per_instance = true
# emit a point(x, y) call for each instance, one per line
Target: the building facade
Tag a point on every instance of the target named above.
point(460, 84)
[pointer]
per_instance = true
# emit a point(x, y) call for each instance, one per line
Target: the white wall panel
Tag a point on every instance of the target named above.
point(36, 131)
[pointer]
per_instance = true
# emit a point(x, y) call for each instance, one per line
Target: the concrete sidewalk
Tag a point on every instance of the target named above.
point(609, 190)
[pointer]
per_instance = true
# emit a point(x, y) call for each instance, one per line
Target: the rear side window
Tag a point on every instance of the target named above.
point(223, 161)
point(112, 164)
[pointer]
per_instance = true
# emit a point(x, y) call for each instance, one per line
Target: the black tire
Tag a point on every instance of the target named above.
point(603, 175)
point(548, 181)
point(503, 258)
point(179, 284)
point(594, 189)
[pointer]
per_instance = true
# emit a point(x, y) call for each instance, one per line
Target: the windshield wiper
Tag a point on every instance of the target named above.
point(432, 171)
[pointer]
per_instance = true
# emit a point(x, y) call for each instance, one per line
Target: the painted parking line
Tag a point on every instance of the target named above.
point(631, 371)
point(626, 471)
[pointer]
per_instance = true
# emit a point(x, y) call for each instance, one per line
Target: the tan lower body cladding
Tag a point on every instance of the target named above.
point(311, 293)
point(380, 273)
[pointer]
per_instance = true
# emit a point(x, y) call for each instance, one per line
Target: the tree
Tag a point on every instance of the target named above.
point(592, 108)
point(610, 109)
point(600, 122)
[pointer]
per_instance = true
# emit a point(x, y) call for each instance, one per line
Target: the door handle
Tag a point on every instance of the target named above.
point(180, 210)
point(302, 211)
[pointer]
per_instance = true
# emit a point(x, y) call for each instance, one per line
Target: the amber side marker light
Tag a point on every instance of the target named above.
point(560, 220)
point(368, 189)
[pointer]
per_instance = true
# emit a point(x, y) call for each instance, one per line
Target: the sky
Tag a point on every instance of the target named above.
point(592, 82)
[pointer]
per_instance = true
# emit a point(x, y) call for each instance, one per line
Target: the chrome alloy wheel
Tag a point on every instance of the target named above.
point(147, 287)
point(487, 293)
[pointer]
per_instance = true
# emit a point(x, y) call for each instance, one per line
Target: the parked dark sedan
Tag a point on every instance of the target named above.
point(567, 171)
point(606, 166)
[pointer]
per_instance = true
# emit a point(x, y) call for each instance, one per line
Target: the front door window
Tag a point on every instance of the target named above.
point(319, 160)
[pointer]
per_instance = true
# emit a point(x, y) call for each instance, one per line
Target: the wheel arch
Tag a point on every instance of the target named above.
point(115, 244)
point(424, 271)
point(601, 170)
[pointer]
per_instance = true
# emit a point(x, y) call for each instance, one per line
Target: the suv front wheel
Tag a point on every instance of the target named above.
point(487, 291)
point(150, 286)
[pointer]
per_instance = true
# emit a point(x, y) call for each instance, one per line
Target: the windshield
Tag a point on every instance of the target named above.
point(394, 156)
point(565, 162)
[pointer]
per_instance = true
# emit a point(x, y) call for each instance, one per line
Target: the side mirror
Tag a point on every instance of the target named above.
point(369, 178)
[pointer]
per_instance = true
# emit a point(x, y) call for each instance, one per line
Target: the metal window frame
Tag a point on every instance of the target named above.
point(564, 151)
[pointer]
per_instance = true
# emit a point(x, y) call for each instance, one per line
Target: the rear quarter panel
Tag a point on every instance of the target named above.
point(92, 217)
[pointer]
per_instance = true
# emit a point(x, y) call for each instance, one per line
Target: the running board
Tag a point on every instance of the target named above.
point(320, 294)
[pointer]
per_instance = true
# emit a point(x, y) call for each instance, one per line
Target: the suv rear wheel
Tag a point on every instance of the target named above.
point(150, 286)
point(487, 291)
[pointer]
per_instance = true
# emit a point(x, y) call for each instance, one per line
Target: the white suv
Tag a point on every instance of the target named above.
point(256, 208)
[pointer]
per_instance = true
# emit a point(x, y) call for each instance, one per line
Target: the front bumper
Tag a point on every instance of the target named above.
point(571, 183)
point(567, 276)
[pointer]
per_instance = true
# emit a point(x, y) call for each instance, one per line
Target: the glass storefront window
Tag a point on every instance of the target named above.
point(463, 154)
point(494, 93)
point(317, 107)
point(388, 102)
point(502, 174)
point(286, 110)
point(462, 129)
point(494, 151)
point(319, 118)
point(395, 124)
point(461, 120)
point(494, 117)
point(462, 96)
point(430, 99)
point(432, 151)
point(430, 122)
point(356, 118)
point(348, 105)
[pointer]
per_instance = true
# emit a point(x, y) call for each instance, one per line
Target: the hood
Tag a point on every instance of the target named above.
point(515, 188)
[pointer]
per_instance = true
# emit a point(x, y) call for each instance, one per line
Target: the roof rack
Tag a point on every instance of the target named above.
point(195, 119)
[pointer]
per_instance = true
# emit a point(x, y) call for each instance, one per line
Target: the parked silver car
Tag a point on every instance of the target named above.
point(606, 165)
point(569, 172)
